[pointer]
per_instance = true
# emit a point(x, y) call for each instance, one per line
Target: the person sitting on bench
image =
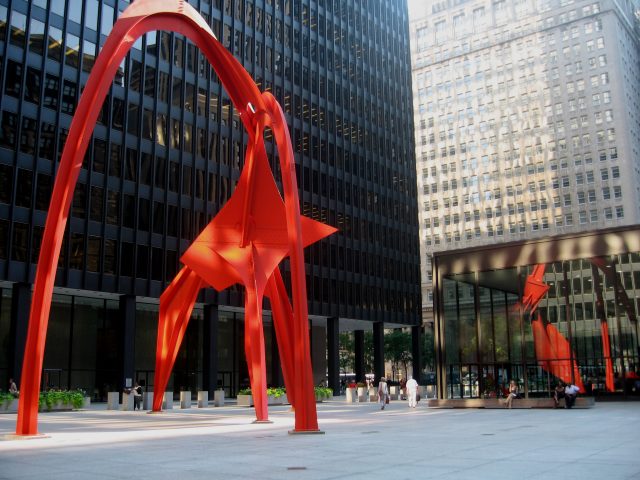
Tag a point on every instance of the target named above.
point(558, 393)
point(570, 394)
point(513, 393)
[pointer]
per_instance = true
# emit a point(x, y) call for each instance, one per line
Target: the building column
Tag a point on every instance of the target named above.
point(416, 350)
point(20, 305)
point(378, 350)
point(210, 349)
point(333, 354)
point(127, 340)
point(359, 354)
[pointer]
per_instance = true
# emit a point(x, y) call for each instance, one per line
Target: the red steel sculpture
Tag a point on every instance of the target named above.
point(244, 243)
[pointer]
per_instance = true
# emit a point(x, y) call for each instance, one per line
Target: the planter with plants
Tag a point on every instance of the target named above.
point(275, 396)
point(245, 399)
point(61, 400)
point(8, 402)
point(52, 400)
point(323, 393)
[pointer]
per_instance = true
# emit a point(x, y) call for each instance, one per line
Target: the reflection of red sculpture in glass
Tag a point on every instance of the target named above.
point(244, 243)
point(552, 348)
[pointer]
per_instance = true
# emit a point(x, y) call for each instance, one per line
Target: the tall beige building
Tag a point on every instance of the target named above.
point(527, 120)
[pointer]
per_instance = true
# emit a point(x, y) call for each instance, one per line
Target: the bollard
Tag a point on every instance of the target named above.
point(394, 393)
point(218, 398)
point(113, 401)
point(203, 399)
point(185, 399)
point(127, 401)
point(167, 401)
point(147, 400)
point(351, 395)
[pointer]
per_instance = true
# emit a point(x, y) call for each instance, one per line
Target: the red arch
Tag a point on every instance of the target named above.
point(140, 17)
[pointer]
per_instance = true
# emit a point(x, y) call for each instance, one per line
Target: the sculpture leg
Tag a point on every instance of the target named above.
point(283, 321)
point(254, 348)
point(306, 414)
point(176, 304)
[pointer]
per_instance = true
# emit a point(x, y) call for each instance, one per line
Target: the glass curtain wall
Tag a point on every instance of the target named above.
point(581, 327)
point(5, 328)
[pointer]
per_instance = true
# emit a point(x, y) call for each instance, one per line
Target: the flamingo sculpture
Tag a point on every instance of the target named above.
point(244, 243)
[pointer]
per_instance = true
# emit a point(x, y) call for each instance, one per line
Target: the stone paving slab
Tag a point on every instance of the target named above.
point(360, 442)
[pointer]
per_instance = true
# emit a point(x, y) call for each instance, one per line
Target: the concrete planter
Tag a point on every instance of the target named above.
point(373, 394)
point(245, 400)
point(351, 395)
point(361, 394)
point(11, 407)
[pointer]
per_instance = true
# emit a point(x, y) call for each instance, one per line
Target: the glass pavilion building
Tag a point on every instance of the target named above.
point(165, 156)
point(486, 333)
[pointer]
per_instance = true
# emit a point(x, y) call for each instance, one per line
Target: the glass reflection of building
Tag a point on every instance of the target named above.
point(166, 154)
point(485, 333)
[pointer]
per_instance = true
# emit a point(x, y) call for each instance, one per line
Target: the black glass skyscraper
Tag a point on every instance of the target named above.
point(165, 156)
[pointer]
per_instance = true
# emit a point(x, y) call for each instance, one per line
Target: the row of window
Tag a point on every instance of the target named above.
point(584, 217)
point(490, 163)
point(533, 204)
point(97, 254)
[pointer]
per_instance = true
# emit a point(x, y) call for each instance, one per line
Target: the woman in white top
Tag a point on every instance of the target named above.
point(383, 391)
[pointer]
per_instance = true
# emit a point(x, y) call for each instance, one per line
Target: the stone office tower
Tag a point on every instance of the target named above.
point(165, 156)
point(527, 120)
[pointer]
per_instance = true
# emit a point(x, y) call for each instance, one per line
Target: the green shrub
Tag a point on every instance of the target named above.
point(323, 392)
point(244, 391)
point(50, 398)
point(276, 392)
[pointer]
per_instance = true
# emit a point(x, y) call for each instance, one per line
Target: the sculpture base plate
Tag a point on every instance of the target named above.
point(306, 432)
point(262, 421)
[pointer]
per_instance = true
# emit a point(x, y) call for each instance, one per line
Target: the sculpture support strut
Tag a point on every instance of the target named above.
point(251, 258)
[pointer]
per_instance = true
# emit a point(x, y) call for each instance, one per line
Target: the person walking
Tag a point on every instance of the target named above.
point(383, 392)
point(412, 392)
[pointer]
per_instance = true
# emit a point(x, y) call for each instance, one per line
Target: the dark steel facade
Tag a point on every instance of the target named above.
point(169, 147)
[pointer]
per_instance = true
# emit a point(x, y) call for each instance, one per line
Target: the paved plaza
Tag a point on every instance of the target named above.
point(360, 442)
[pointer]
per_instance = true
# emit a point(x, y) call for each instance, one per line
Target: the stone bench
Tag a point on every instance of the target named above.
point(581, 402)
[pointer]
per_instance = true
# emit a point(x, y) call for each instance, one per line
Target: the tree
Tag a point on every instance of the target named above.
point(397, 348)
point(428, 353)
point(368, 353)
point(346, 352)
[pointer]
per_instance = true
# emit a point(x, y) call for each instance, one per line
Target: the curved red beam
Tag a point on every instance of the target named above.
point(140, 17)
